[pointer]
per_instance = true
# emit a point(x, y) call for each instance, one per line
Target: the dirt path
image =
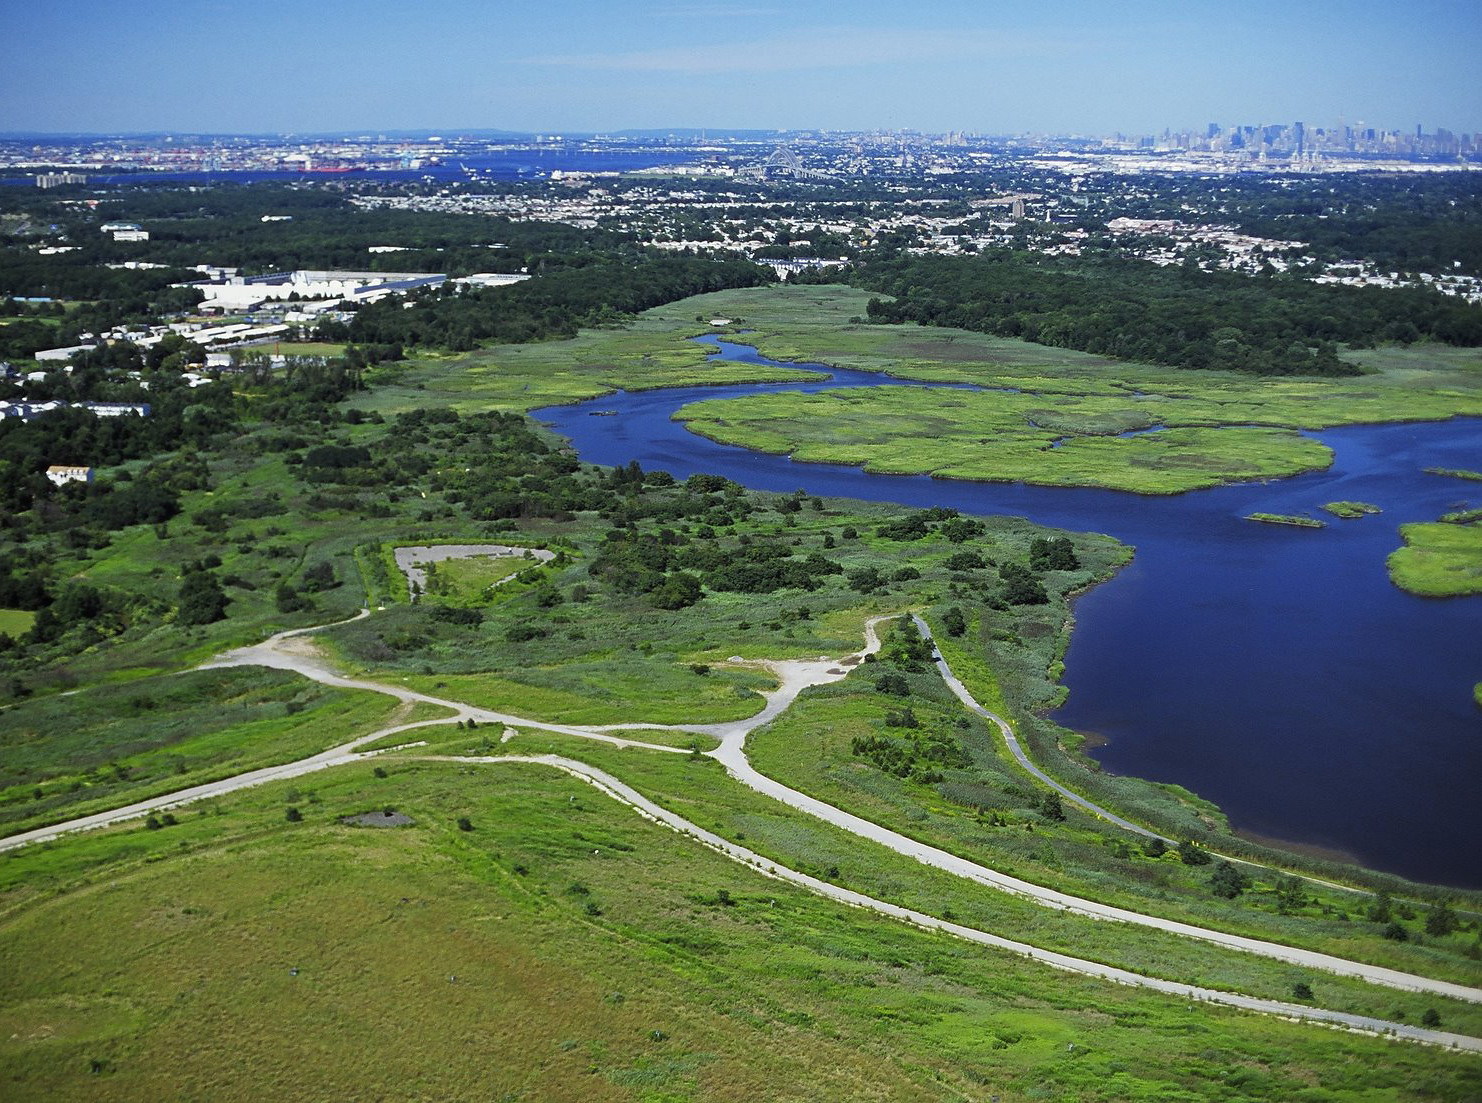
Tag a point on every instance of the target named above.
point(287, 651)
point(1011, 741)
point(413, 559)
point(625, 794)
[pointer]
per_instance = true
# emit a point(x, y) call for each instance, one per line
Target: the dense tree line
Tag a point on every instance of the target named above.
point(1180, 316)
point(112, 297)
point(1381, 217)
point(223, 225)
point(669, 566)
point(181, 418)
point(556, 304)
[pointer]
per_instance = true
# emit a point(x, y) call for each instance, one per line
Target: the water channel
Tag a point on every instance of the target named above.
point(1274, 670)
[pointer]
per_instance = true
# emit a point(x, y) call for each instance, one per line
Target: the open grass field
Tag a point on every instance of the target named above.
point(473, 580)
point(107, 746)
point(563, 949)
point(15, 621)
point(987, 810)
point(1439, 560)
point(302, 348)
point(613, 691)
point(700, 791)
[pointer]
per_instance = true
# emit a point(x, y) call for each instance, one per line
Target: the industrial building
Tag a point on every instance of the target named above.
point(245, 292)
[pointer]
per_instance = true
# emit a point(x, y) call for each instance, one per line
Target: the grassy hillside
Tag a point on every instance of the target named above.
point(563, 948)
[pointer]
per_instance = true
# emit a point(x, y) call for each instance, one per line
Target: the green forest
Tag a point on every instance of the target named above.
point(1182, 316)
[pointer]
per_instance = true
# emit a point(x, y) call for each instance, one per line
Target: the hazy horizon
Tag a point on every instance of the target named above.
point(1062, 67)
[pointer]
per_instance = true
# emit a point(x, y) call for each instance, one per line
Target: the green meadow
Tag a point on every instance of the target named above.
point(110, 745)
point(563, 948)
point(654, 351)
point(13, 622)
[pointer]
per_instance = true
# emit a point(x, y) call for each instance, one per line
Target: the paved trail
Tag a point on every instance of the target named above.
point(658, 814)
point(1011, 741)
point(289, 651)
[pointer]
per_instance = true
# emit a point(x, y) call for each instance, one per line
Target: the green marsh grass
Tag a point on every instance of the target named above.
point(1439, 559)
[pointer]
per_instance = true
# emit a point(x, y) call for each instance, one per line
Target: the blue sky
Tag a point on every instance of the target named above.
point(1062, 66)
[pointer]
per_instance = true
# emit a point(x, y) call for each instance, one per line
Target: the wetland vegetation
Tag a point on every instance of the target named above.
point(1441, 559)
point(674, 970)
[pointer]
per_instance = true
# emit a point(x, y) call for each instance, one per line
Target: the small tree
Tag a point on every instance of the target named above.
point(465, 824)
point(319, 577)
point(893, 684)
point(1396, 933)
point(288, 600)
point(1227, 881)
point(1054, 554)
point(293, 815)
point(1302, 990)
point(1192, 854)
point(954, 622)
point(1051, 808)
point(1441, 920)
point(1432, 1017)
point(1289, 895)
point(906, 718)
point(202, 600)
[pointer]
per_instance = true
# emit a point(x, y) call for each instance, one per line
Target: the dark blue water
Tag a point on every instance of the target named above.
point(506, 164)
point(1271, 669)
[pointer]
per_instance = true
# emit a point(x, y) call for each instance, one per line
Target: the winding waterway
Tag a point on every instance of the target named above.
point(1274, 670)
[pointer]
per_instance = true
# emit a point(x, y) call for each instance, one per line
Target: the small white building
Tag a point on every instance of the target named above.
point(61, 474)
point(131, 235)
point(492, 279)
point(218, 361)
point(114, 409)
point(63, 354)
point(27, 410)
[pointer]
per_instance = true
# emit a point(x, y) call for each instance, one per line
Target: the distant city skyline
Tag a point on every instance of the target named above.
point(699, 131)
point(1057, 67)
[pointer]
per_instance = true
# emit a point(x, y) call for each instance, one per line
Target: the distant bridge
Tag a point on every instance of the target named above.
point(783, 164)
